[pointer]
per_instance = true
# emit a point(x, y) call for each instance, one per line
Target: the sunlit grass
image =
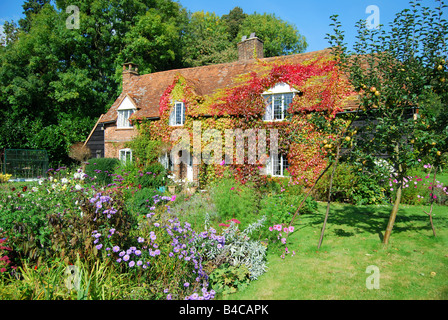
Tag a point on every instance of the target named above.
point(412, 266)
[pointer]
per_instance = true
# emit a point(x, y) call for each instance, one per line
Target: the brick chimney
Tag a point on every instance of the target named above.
point(130, 70)
point(250, 48)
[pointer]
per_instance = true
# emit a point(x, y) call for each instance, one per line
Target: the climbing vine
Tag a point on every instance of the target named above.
point(305, 136)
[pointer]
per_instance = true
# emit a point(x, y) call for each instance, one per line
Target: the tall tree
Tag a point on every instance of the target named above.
point(206, 41)
point(279, 37)
point(30, 9)
point(233, 20)
point(55, 81)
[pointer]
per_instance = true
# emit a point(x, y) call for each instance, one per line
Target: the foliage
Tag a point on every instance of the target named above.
point(242, 107)
point(102, 169)
point(55, 81)
point(206, 40)
point(5, 262)
point(412, 51)
point(228, 279)
point(144, 149)
point(234, 200)
point(240, 249)
point(360, 183)
point(5, 177)
point(279, 37)
point(280, 207)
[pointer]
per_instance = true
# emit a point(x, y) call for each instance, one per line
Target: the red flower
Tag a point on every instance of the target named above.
point(24, 188)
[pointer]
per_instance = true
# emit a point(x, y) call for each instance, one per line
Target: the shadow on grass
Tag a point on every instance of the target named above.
point(349, 220)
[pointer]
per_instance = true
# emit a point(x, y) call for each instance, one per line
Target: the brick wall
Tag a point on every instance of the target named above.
point(115, 139)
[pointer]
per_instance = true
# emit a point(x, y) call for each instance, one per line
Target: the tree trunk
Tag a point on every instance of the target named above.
point(329, 197)
point(432, 203)
point(393, 214)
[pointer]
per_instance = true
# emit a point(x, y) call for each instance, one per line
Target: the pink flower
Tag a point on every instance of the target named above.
point(270, 228)
point(173, 198)
point(233, 188)
point(224, 225)
point(291, 229)
point(283, 240)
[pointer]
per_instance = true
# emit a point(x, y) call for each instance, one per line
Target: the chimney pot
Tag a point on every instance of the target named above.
point(250, 48)
point(130, 70)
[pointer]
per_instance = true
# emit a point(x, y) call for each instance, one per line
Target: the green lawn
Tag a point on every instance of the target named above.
point(413, 265)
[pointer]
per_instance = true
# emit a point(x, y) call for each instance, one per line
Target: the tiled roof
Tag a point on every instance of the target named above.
point(146, 90)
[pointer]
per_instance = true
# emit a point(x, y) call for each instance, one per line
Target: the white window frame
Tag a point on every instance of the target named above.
point(125, 111)
point(125, 151)
point(165, 160)
point(280, 90)
point(123, 119)
point(178, 110)
point(282, 166)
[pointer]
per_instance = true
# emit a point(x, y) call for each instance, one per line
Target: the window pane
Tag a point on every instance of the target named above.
point(285, 165)
point(178, 110)
point(276, 170)
point(278, 114)
point(268, 103)
point(287, 101)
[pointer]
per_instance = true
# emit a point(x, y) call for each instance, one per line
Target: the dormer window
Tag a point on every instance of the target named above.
point(278, 100)
point(177, 116)
point(125, 110)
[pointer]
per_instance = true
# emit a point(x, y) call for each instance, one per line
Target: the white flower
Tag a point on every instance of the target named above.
point(64, 180)
point(35, 189)
point(78, 187)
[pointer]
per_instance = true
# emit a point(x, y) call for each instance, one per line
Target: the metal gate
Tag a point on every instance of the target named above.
point(25, 163)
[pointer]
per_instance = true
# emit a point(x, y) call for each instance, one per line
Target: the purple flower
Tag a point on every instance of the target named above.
point(116, 249)
point(126, 258)
point(98, 247)
point(186, 284)
point(131, 264)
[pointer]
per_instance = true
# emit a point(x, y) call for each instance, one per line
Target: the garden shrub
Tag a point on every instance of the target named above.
point(234, 200)
point(281, 207)
point(102, 169)
point(418, 188)
point(352, 184)
point(228, 279)
point(5, 177)
point(240, 250)
point(152, 176)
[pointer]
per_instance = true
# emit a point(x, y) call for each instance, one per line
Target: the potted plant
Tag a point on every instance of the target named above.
point(171, 184)
point(190, 188)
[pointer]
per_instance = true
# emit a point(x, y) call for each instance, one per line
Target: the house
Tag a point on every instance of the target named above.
point(143, 97)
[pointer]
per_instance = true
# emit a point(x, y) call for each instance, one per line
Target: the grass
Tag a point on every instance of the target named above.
point(413, 265)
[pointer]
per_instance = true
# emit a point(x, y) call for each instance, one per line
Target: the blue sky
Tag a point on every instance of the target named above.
point(312, 18)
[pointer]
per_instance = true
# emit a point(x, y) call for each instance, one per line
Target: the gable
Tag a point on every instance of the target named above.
point(127, 103)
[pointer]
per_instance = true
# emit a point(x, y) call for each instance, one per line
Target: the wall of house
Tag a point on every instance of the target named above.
point(115, 139)
point(96, 142)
